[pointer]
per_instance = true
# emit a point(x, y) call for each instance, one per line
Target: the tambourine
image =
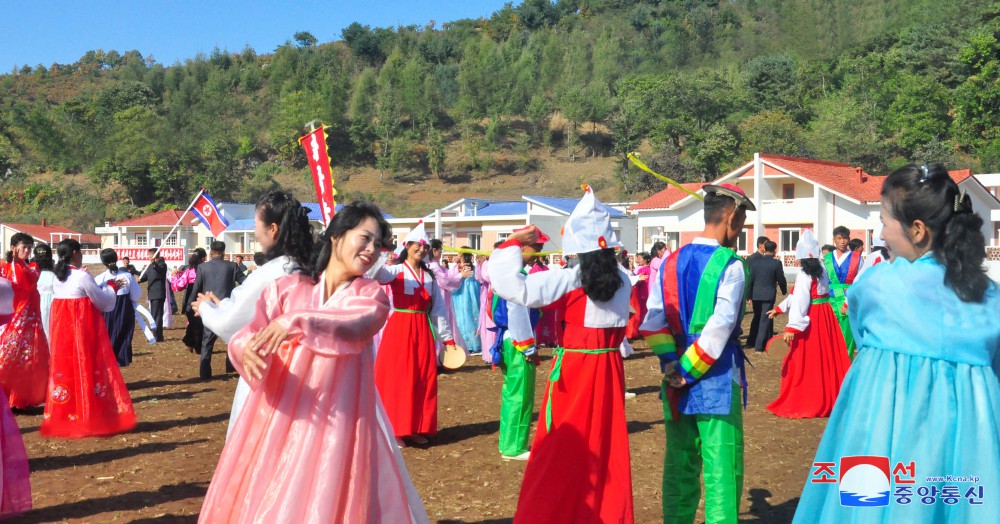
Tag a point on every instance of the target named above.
point(777, 347)
point(453, 358)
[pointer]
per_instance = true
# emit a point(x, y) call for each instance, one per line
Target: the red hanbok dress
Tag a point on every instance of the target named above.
point(640, 293)
point(87, 395)
point(817, 361)
point(579, 470)
point(406, 361)
point(24, 350)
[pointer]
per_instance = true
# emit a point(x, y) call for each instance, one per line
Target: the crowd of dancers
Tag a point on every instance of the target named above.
point(337, 341)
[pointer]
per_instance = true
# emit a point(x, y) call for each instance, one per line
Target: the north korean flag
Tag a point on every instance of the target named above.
point(206, 210)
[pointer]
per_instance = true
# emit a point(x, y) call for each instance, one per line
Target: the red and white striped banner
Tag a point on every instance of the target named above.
point(319, 164)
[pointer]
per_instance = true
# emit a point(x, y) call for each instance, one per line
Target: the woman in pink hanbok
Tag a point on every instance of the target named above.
point(313, 444)
point(15, 488)
point(486, 326)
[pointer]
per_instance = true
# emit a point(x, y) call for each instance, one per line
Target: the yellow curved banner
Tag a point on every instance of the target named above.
point(634, 158)
point(464, 251)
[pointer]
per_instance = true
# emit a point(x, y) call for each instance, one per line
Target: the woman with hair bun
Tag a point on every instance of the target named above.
point(281, 227)
point(120, 321)
point(922, 395)
point(24, 348)
point(86, 395)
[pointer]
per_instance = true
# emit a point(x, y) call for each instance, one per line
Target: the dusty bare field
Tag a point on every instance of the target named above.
point(159, 473)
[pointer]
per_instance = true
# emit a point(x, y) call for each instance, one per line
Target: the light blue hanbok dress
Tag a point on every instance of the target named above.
point(465, 300)
point(923, 390)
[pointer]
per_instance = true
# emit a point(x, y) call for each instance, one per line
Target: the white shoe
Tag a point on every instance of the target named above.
point(522, 456)
point(629, 394)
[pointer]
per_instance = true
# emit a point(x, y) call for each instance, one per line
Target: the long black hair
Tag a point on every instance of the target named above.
point(348, 218)
point(109, 257)
point(928, 194)
point(43, 257)
point(423, 261)
point(812, 267)
point(599, 274)
point(65, 249)
point(18, 238)
point(295, 235)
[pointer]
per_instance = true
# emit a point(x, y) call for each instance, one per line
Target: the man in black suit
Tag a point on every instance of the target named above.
point(127, 266)
point(156, 290)
point(760, 249)
point(765, 273)
point(217, 276)
point(241, 269)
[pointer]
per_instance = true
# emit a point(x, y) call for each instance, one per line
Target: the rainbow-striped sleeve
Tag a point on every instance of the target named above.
point(523, 345)
point(662, 343)
point(695, 363)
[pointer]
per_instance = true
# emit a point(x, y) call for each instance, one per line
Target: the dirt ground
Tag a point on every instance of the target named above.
point(159, 472)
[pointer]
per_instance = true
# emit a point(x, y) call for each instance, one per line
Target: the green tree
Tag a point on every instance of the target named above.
point(436, 154)
point(304, 39)
point(772, 132)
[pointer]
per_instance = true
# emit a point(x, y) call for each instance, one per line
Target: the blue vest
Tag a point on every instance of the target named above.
point(712, 395)
point(499, 310)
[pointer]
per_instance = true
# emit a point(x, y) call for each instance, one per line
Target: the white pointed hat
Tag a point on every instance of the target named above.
point(877, 236)
point(807, 247)
point(588, 227)
point(417, 234)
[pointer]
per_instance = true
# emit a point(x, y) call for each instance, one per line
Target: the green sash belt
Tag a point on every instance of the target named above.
point(825, 299)
point(556, 373)
point(429, 323)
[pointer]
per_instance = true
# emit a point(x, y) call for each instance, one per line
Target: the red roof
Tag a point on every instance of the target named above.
point(162, 218)
point(960, 175)
point(666, 198)
point(43, 233)
point(852, 182)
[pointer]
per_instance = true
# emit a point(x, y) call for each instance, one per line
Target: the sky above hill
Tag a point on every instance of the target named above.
point(46, 32)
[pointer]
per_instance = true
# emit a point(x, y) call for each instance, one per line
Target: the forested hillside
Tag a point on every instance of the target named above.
point(697, 85)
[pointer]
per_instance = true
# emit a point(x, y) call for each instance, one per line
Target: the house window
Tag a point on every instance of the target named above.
point(788, 191)
point(741, 243)
point(502, 237)
point(671, 238)
point(649, 234)
point(789, 237)
point(170, 240)
point(140, 240)
point(475, 240)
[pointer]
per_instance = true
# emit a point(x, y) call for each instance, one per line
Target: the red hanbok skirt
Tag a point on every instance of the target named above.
point(406, 374)
point(580, 472)
point(87, 395)
point(813, 369)
point(24, 356)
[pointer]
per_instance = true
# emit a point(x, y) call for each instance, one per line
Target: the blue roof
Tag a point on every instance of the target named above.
point(487, 208)
point(245, 224)
point(568, 204)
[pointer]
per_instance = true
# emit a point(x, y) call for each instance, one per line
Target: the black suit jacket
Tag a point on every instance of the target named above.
point(156, 275)
point(216, 275)
point(765, 273)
